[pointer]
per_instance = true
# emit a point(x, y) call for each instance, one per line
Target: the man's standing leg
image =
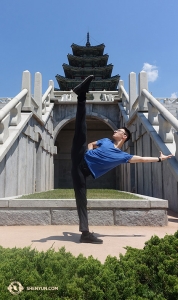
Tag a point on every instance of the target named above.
point(79, 146)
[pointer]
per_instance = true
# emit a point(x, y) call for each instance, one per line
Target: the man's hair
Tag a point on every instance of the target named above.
point(128, 134)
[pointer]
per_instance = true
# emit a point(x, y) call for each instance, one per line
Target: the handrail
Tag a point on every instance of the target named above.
point(135, 105)
point(166, 114)
point(34, 102)
point(7, 108)
point(46, 93)
point(125, 93)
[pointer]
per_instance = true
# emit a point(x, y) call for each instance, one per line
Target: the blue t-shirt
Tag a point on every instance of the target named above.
point(105, 157)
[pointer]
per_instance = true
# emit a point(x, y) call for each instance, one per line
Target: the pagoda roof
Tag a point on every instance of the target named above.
point(75, 60)
point(88, 50)
point(109, 84)
point(104, 72)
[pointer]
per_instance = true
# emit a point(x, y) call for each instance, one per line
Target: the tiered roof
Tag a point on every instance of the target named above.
point(88, 60)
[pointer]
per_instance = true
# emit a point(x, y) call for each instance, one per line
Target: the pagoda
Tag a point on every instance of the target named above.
point(88, 60)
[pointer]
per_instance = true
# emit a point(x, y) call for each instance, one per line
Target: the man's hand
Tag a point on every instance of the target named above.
point(92, 145)
point(164, 157)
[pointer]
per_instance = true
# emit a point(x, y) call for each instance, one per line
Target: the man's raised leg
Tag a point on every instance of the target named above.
point(77, 154)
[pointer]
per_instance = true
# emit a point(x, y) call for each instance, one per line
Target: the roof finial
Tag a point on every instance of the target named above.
point(88, 40)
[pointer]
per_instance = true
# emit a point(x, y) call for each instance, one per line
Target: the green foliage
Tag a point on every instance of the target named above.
point(150, 273)
point(91, 194)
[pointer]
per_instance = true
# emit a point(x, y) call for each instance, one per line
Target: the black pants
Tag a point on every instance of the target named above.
point(79, 167)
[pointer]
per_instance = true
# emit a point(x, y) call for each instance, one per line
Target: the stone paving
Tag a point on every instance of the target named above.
point(115, 238)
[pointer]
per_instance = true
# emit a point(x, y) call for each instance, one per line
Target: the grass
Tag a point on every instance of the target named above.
point(91, 194)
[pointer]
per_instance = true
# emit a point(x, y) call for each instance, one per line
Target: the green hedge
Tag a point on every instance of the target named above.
point(150, 273)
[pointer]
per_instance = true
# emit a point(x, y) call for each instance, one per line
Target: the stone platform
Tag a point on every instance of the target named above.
point(101, 212)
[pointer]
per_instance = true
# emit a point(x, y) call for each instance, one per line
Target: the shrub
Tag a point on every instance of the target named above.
point(150, 273)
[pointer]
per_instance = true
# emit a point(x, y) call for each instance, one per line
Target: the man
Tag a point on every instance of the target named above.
point(100, 157)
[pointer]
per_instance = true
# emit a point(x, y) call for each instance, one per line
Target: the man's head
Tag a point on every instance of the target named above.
point(122, 134)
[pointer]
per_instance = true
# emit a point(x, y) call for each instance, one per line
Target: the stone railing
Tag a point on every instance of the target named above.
point(144, 102)
point(10, 114)
point(159, 115)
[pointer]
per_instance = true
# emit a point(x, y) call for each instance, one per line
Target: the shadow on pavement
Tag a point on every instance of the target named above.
point(75, 237)
point(173, 220)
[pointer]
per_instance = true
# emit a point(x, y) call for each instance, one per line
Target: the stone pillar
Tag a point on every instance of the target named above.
point(26, 84)
point(121, 82)
point(38, 92)
point(51, 82)
point(132, 91)
point(142, 84)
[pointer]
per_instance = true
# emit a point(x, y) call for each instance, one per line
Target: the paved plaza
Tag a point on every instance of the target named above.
point(115, 238)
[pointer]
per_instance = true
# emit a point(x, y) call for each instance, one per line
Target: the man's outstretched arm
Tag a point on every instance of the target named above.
point(137, 159)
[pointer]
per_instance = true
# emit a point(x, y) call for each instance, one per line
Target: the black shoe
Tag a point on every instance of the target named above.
point(90, 238)
point(83, 87)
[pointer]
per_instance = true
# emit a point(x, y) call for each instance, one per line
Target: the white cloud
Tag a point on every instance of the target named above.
point(152, 71)
point(174, 95)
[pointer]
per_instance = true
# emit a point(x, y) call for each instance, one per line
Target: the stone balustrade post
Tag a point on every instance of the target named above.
point(127, 107)
point(51, 82)
point(121, 82)
point(38, 92)
point(152, 114)
point(48, 100)
point(4, 129)
point(44, 107)
point(15, 115)
point(142, 84)
point(132, 91)
point(26, 84)
point(165, 131)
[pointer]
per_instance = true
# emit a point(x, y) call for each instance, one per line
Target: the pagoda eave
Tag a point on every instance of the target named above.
point(92, 50)
point(67, 84)
point(100, 46)
point(68, 67)
point(72, 72)
point(96, 60)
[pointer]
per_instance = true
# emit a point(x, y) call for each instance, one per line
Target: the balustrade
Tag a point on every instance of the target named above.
point(156, 113)
point(10, 114)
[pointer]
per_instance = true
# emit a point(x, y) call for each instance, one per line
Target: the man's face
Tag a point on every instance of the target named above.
point(119, 134)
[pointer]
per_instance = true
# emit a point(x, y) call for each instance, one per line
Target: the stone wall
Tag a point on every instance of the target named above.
point(28, 165)
point(152, 179)
point(101, 212)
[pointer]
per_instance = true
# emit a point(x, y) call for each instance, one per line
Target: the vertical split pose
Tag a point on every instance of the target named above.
point(95, 159)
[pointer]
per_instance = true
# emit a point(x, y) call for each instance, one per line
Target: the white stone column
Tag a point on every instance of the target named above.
point(51, 82)
point(132, 91)
point(38, 92)
point(121, 82)
point(142, 84)
point(26, 84)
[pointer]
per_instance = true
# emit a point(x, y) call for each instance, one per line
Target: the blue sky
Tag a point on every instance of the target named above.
point(36, 35)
